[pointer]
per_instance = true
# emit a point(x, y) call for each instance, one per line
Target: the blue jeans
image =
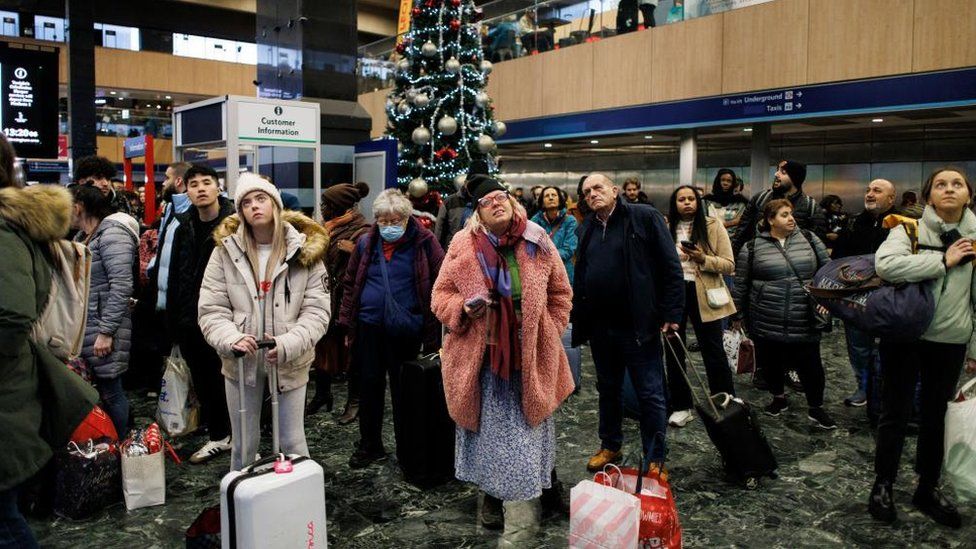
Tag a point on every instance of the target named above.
point(615, 353)
point(14, 532)
point(115, 403)
point(862, 350)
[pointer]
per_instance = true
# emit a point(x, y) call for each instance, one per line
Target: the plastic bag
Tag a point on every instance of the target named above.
point(178, 413)
point(960, 443)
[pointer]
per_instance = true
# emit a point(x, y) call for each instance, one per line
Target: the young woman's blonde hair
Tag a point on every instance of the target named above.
point(278, 246)
point(477, 225)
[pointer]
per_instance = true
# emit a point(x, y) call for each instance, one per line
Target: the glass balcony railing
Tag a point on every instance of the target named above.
point(516, 28)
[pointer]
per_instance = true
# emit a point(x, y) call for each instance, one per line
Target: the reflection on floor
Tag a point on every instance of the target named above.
point(818, 500)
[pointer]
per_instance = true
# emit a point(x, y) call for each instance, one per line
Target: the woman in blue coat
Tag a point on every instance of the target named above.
point(561, 227)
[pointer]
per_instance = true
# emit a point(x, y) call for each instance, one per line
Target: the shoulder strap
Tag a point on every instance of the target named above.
point(383, 269)
point(790, 261)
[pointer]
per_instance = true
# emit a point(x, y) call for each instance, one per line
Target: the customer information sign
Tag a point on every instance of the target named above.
point(29, 101)
point(918, 91)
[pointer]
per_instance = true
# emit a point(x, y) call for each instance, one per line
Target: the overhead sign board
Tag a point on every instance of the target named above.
point(913, 92)
point(29, 100)
point(285, 123)
point(135, 147)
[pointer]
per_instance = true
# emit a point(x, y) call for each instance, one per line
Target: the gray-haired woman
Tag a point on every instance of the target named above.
point(397, 260)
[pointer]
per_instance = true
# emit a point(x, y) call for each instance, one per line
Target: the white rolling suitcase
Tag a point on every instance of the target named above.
point(278, 501)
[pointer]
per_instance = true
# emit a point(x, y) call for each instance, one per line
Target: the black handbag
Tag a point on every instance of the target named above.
point(87, 480)
point(397, 320)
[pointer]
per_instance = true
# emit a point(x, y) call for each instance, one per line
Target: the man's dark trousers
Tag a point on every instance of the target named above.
point(616, 352)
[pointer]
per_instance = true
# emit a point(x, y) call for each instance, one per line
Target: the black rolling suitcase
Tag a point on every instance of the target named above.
point(424, 430)
point(733, 427)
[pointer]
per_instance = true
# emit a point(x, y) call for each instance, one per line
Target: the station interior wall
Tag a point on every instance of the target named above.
point(777, 44)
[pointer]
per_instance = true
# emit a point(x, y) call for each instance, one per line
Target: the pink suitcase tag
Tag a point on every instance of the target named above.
point(283, 466)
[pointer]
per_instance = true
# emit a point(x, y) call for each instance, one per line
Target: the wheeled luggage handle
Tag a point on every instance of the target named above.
point(684, 373)
point(262, 344)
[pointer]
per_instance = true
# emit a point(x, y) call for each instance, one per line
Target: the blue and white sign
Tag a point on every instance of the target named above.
point(134, 147)
point(900, 93)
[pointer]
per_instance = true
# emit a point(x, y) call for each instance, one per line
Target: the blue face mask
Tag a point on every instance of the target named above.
point(392, 233)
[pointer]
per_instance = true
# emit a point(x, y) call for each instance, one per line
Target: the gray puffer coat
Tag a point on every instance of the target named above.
point(113, 245)
point(768, 294)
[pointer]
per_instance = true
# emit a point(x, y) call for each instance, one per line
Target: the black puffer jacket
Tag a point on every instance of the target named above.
point(768, 294)
point(807, 213)
point(187, 267)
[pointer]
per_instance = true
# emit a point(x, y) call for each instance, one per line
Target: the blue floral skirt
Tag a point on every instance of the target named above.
point(506, 458)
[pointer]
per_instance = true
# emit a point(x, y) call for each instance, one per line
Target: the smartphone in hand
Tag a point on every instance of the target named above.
point(688, 244)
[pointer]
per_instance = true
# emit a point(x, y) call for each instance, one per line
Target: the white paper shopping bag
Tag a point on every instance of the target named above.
point(602, 517)
point(143, 480)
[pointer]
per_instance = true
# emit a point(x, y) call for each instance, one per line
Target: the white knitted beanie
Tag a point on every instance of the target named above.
point(248, 182)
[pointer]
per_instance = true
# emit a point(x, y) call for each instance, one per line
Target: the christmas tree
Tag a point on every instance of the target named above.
point(439, 110)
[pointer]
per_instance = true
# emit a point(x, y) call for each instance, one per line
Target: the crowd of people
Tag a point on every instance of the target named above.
point(494, 285)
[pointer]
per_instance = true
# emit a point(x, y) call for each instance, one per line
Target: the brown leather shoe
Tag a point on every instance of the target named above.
point(351, 414)
point(602, 458)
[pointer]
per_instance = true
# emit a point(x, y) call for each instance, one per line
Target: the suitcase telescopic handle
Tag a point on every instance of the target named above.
point(263, 344)
point(684, 373)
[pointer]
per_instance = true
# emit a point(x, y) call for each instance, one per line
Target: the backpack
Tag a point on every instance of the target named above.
point(61, 327)
point(851, 290)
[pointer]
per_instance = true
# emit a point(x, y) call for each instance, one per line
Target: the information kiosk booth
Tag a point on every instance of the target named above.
point(276, 138)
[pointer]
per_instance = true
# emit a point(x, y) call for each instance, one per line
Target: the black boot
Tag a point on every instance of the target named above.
point(881, 504)
point(930, 500)
point(553, 499)
point(492, 517)
point(323, 394)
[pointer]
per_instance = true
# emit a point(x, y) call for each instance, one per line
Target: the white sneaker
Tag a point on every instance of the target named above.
point(211, 450)
point(680, 418)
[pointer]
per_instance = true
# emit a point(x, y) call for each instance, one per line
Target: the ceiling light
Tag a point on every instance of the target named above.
point(547, 145)
point(99, 101)
point(877, 120)
point(648, 137)
point(148, 106)
point(747, 129)
point(169, 97)
point(594, 141)
point(159, 106)
point(112, 92)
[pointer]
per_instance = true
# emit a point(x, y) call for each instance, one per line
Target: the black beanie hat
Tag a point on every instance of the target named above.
point(796, 171)
point(480, 185)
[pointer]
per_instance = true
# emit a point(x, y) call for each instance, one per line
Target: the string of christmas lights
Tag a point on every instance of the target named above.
point(438, 110)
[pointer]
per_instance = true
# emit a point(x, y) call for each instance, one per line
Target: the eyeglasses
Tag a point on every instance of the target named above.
point(388, 223)
point(489, 200)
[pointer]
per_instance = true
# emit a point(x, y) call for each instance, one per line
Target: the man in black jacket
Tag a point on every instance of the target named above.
point(864, 235)
point(788, 184)
point(99, 172)
point(628, 288)
point(192, 245)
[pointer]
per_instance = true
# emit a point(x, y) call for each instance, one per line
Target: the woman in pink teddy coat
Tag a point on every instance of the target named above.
point(504, 297)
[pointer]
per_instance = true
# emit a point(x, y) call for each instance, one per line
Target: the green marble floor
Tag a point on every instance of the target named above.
point(819, 499)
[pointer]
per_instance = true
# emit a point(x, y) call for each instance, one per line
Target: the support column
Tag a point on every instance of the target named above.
point(759, 159)
point(81, 78)
point(688, 157)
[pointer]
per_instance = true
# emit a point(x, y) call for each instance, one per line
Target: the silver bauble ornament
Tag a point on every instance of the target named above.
point(447, 125)
point(459, 181)
point(420, 136)
point(452, 65)
point(486, 143)
point(428, 49)
point(481, 99)
point(417, 188)
point(403, 107)
point(500, 128)
point(403, 65)
point(486, 66)
point(399, 147)
point(421, 100)
point(411, 93)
